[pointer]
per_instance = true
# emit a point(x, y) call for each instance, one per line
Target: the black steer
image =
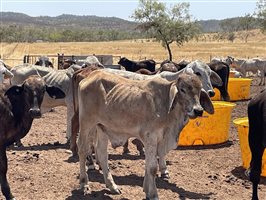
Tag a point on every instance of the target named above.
point(223, 70)
point(45, 62)
point(257, 138)
point(19, 105)
point(134, 66)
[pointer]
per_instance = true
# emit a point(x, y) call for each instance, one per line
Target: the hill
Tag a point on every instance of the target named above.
point(68, 21)
point(19, 27)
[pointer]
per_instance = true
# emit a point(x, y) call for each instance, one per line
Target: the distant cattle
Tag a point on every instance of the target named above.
point(146, 71)
point(19, 105)
point(228, 60)
point(67, 63)
point(154, 110)
point(256, 138)
point(92, 60)
point(4, 72)
point(223, 70)
point(44, 61)
point(170, 66)
point(136, 65)
point(254, 65)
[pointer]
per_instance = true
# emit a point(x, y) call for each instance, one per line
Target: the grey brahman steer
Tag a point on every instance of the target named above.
point(4, 72)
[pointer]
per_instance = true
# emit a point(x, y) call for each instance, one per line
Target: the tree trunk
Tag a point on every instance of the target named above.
point(167, 44)
point(169, 51)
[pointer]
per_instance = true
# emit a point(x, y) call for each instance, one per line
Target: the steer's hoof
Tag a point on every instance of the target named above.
point(165, 177)
point(115, 191)
point(247, 173)
point(141, 153)
point(91, 167)
point(86, 190)
point(126, 151)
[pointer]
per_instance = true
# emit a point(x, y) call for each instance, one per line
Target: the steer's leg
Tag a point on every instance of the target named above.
point(149, 184)
point(101, 152)
point(85, 143)
point(255, 138)
point(255, 168)
point(3, 170)
point(125, 148)
point(162, 163)
point(74, 133)
point(139, 146)
point(70, 113)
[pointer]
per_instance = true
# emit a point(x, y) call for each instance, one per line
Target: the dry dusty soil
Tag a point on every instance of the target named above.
point(42, 170)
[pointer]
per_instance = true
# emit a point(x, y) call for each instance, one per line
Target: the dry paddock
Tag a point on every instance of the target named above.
point(42, 169)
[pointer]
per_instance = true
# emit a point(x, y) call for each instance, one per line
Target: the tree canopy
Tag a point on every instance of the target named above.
point(166, 24)
point(261, 13)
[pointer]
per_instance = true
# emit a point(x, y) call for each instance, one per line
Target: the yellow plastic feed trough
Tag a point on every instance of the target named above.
point(238, 89)
point(242, 129)
point(209, 129)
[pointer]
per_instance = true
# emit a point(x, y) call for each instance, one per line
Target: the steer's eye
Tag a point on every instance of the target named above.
point(198, 74)
point(183, 91)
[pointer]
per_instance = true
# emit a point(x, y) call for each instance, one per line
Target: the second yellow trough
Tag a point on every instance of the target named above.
point(242, 129)
point(238, 89)
point(209, 129)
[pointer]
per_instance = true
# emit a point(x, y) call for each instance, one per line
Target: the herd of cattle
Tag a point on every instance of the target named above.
point(150, 104)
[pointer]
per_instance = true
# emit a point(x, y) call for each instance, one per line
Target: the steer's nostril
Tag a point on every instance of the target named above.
point(211, 93)
point(198, 112)
point(35, 113)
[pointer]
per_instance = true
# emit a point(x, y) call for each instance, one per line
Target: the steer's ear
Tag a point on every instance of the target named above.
point(14, 90)
point(215, 79)
point(55, 92)
point(172, 97)
point(205, 102)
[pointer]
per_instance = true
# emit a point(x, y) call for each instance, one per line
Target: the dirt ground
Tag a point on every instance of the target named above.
point(42, 170)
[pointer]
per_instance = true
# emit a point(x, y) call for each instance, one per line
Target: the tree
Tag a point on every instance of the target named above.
point(247, 23)
point(231, 36)
point(166, 25)
point(229, 26)
point(261, 13)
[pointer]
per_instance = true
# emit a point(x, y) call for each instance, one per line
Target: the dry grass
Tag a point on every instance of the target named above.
point(141, 49)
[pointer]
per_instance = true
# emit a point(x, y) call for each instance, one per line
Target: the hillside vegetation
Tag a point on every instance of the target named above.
point(18, 27)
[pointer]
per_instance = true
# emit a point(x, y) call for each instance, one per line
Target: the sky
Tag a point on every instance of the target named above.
point(199, 9)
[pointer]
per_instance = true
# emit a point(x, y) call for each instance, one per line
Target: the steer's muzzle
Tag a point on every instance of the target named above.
point(198, 112)
point(211, 93)
point(35, 112)
point(195, 112)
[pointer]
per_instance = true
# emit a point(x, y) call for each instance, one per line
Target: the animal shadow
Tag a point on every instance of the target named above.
point(40, 147)
point(226, 144)
point(239, 172)
point(134, 180)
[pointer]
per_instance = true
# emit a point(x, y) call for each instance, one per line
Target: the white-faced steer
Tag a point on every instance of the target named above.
point(154, 111)
point(19, 105)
